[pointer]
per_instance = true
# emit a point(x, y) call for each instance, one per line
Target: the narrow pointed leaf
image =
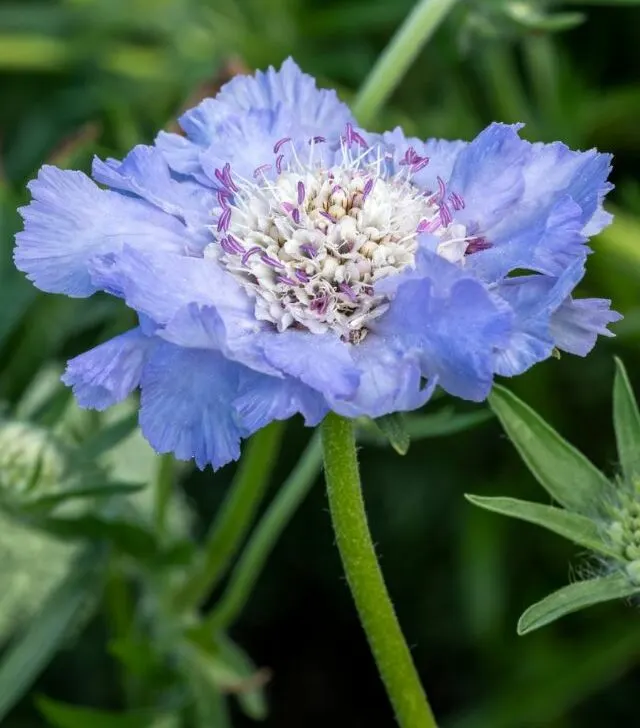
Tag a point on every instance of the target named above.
point(626, 418)
point(562, 470)
point(107, 490)
point(30, 654)
point(579, 529)
point(60, 715)
point(393, 427)
point(108, 437)
point(229, 669)
point(445, 422)
point(574, 597)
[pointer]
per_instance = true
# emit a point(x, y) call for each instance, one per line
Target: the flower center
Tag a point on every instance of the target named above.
point(310, 244)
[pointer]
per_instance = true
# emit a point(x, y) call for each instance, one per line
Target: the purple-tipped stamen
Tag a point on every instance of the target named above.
point(309, 249)
point(335, 188)
point(327, 216)
point(279, 144)
point(261, 170)
point(445, 215)
point(288, 207)
point(409, 157)
point(476, 245)
point(223, 197)
point(358, 139)
point(302, 276)
point(428, 226)
point(319, 304)
point(457, 201)
point(220, 177)
point(296, 216)
point(301, 193)
point(279, 161)
point(235, 243)
point(442, 189)
point(226, 172)
point(367, 189)
point(249, 253)
point(317, 140)
point(227, 247)
point(348, 292)
point(272, 262)
point(417, 166)
point(288, 281)
point(348, 134)
point(224, 220)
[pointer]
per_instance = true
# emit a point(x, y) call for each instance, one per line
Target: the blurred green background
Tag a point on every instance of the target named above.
point(80, 77)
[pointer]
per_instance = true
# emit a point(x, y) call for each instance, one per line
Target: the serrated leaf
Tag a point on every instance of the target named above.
point(393, 428)
point(574, 597)
point(626, 418)
point(563, 471)
point(61, 715)
point(30, 654)
point(579, 529)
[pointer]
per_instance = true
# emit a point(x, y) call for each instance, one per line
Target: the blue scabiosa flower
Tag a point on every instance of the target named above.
point(282, 260)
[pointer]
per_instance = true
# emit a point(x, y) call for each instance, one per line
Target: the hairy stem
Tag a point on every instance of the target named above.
point(365, 577)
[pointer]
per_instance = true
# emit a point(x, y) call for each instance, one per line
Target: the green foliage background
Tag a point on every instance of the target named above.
point(79, 77)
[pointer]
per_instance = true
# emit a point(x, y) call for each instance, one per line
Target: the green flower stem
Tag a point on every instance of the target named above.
point(365, 578)
point(235, 516)
point(393, 63)
point(265, 536)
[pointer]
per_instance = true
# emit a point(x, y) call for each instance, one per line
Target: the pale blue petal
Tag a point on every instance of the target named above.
point(70, 220)
point(533, 300)
point(249, 114)
point(451, 325)
point(555, 169)
point(263, 399)
point(441, 153)
point(390, 381)
point(545, 241)
point(321, 361)
point(159, 285)
point(576, 325)
point(186, 405)
point(145, 173)
point(108, 373)
point(488, 174)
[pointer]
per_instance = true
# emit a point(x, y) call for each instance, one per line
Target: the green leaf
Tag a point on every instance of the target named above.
point(108, 490)
point(229, 669)
point(63, 610)
point(438, 424)
point(393, 428)
point(108, 437)
point(445, 422)
point(531, 17)
point(574, 597)
point(626, 418)
point(128, 537)
point(71, 716)
point(579, 529)
point(252, 700)
point(562, 470)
